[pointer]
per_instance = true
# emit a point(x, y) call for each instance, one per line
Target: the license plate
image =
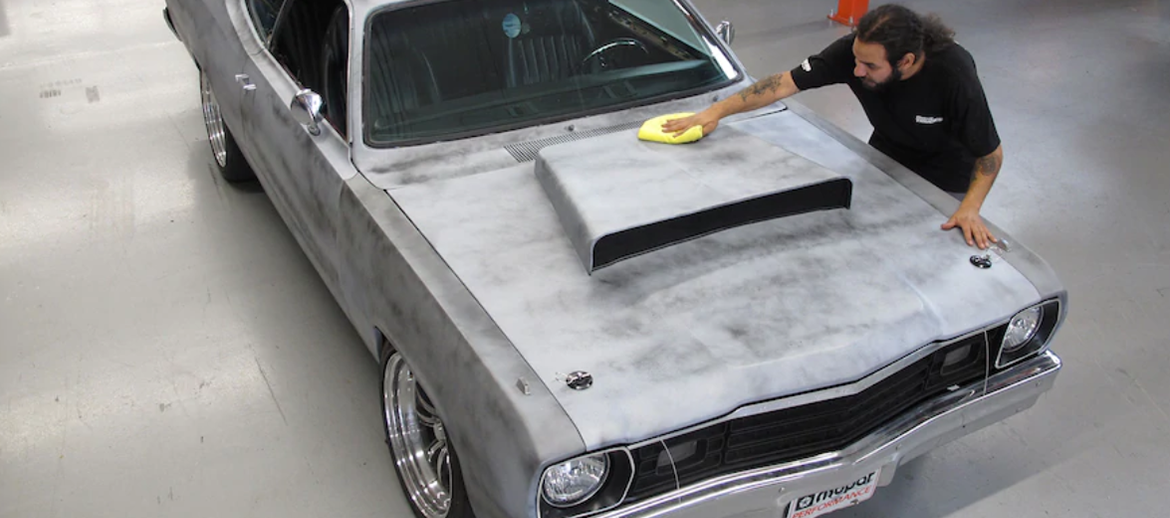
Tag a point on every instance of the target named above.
point(834, 498)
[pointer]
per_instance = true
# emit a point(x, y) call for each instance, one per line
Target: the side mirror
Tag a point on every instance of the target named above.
point(725, 31)
point(306, 110)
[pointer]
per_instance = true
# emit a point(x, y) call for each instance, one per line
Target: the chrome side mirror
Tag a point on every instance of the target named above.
point(306, 110)
point(725, 31)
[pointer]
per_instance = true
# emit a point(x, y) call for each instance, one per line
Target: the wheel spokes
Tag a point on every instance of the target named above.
point(443, 468)
point(423, 459)
point(438, 448)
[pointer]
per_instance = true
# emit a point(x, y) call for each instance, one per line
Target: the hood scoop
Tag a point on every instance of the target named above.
point(618, 197)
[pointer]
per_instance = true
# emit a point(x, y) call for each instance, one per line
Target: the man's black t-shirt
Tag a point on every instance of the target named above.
point(936, 123)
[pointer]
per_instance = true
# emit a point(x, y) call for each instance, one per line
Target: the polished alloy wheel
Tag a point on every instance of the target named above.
point(216, 133)
point(418, 440)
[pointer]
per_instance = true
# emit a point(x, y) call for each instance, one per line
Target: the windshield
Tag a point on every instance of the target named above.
point(453, 69)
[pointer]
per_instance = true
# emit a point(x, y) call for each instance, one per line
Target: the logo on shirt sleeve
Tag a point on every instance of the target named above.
point(806, 66)
point(922, 119)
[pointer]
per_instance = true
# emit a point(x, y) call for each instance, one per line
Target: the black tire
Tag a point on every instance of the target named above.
point(459, 505)
point(225, 153)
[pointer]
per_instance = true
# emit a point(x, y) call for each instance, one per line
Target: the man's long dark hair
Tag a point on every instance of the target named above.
point(902, 31)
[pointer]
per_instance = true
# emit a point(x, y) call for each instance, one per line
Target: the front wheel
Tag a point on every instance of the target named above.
point(228, 158)
point(427, 466)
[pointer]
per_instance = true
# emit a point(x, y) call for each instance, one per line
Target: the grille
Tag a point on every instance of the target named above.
point(526, 151)
point(807, 430)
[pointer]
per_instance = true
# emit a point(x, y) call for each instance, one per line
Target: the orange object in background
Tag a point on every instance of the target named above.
point(849, 12)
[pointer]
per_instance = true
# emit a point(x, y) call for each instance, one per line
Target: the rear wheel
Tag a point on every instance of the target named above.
point(427, 466)
point(228, 158)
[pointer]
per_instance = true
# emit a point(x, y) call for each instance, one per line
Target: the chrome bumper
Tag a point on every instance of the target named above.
point(766, 491)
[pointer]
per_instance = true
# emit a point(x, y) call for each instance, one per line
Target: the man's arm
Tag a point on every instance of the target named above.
point(967, 217)
point(764, 92)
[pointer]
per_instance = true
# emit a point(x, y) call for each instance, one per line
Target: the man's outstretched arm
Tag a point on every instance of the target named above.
point(967, 217)
point(764, 92)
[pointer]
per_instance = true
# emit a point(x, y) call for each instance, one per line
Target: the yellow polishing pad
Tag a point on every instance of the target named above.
point(652, 130)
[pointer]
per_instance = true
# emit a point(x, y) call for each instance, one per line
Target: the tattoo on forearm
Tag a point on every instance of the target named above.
point(767, 84)
point(988, 165)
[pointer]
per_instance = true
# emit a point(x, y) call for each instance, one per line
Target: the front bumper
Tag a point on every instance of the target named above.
point(766, 491)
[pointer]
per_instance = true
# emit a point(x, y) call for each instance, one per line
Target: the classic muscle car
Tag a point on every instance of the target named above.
point(574, 322)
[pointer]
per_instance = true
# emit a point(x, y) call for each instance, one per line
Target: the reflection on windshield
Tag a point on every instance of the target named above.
point(453, 69)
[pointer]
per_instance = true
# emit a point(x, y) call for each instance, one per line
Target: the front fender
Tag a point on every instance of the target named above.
point(395, 283)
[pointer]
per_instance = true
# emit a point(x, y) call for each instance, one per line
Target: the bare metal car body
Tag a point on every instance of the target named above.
point(454, 253)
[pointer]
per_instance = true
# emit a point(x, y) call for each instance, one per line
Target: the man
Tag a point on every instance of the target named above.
point(920, 92)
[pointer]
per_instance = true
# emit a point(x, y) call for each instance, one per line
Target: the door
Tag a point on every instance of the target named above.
point(303, 173)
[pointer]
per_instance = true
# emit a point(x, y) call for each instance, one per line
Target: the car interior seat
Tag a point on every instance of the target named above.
point(403, 78)
point(554, 38)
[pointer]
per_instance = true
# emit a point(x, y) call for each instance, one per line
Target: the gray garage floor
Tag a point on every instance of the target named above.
point(167, 350)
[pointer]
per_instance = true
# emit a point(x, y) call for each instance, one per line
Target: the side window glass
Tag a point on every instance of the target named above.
point(335, 68)
point(312, 43)
point(264, 15)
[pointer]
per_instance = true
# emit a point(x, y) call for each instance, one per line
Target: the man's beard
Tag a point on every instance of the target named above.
point(883, 86)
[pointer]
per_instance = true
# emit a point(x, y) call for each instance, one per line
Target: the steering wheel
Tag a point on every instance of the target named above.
point(613, 44)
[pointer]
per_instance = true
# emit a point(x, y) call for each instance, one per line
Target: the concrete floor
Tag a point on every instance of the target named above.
point(167, 350)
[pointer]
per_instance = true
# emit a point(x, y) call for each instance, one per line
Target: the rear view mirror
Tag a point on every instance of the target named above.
point(306, 110)
point(725, 31)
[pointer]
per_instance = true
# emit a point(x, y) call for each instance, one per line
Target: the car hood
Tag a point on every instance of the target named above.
point(689, 332)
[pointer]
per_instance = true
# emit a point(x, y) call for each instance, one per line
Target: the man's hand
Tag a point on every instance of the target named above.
point(705, 119)
point(967, 217)
point(976, 233)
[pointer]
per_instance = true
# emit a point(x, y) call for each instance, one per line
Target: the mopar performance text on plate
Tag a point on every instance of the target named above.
point(830, 500)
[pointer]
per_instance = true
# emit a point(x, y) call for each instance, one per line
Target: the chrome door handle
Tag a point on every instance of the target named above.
point(246, 82)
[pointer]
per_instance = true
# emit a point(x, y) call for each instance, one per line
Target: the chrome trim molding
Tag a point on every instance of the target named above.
point(1008, 391)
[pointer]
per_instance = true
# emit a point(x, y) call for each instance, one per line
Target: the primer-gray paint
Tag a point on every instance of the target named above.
point(755, 312)
point(131, 279)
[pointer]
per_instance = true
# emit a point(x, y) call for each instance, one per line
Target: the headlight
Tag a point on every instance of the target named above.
point(1027, 333)
point(1022, 328)
point(572, 482)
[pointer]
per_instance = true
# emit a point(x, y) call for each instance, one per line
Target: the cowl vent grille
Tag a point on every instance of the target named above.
point(526, 151)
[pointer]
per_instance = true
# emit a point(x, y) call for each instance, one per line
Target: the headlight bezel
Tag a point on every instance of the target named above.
point(610, 493)
point(605, 470)
point(1050, 316)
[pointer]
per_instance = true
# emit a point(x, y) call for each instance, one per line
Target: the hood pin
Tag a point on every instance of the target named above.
point(579, 380)
point(984, 261)
point(981, 261)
